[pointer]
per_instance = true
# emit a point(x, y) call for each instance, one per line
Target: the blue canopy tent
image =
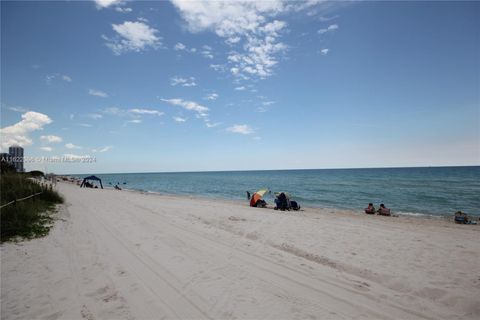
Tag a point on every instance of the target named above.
point(91, 178)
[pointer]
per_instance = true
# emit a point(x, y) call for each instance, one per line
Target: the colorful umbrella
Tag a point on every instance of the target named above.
point(262, 192)
point(257, 196)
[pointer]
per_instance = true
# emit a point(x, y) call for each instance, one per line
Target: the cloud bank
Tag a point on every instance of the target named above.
point(18, 134)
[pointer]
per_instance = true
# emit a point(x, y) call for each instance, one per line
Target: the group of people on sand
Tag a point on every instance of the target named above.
point(383, 211)
point(90, 185)
point(461, 217)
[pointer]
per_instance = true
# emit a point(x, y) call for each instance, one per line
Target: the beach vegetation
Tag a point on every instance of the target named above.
point(6, 167)
point(27, 218)
point(36, 173)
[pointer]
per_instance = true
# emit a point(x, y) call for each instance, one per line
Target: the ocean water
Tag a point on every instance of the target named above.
point(414, 191)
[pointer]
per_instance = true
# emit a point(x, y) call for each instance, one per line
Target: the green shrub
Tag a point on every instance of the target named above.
point(36, 173)
point(29, 218)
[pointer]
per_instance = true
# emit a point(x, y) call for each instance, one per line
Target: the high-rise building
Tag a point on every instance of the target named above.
point(16, 157)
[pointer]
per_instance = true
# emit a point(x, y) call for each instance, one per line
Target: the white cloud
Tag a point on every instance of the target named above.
point(131, 113)
point(324, 51)
point(51, 139)
point(241, 129)
point(273, 28)
point(233, 40)
point(107, 3)
point(18, 109)
point(105, 149)
point(330, 28)
point(261, 109)
point(135, 121)
point(252, 28)
point(72, 146)
point(179, 119)
point(49, 78)
point(123, 10)
point(94, 116)
point(179, 47)
point(113, 111)
point(202, 111)
point(212, 125)
point(264, 106)
point(244, 23)
point(226, 18)
point(86, 125)
point(211, 96)
point(241, 88)
point(97, 93)
point(133, 36)
point(147, 111)
point(18, 133)
point(207, 52)
point(48, 149)
point(184, 82)
point(218, 67)
point(325, 19)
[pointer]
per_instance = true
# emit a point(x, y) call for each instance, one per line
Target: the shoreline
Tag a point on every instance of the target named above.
point(407, 191)
point(424, 219)
point(318, 210)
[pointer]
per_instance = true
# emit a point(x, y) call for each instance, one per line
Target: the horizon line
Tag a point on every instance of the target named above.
point(296, 169)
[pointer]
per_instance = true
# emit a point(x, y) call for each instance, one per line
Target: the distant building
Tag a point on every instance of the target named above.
point(16, 157)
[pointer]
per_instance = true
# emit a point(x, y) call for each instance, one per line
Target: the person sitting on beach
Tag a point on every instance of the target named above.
point(370, 209)
point(461, 217)
point(383, 211)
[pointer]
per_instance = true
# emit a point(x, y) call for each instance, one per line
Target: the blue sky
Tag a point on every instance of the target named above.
point(193, 86)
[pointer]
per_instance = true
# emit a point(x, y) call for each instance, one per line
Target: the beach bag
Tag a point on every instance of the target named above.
point(261, 203)
point(295, 205)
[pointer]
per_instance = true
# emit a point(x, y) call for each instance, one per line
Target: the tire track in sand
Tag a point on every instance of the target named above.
point(264, 268)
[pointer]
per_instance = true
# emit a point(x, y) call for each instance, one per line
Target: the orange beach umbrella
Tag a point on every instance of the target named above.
point(257, 196)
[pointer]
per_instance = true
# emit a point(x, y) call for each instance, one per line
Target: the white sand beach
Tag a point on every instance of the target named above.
point(127, 255)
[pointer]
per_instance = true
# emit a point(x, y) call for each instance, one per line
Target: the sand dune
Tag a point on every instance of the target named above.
point(126, 255)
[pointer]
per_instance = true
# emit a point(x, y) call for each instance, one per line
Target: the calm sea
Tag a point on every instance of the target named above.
point(414, 191)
